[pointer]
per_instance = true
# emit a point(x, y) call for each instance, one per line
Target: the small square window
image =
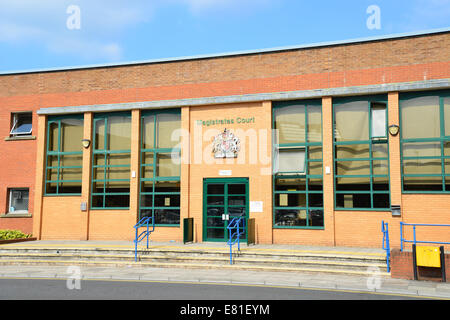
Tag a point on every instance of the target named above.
point(18, 200)
point(21, 124)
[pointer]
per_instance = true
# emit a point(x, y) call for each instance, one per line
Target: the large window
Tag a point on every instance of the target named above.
point(64, 155)
point(160, 167)
point(361, 155)
point(111, 161)
point(425, 141)
point(298, 178)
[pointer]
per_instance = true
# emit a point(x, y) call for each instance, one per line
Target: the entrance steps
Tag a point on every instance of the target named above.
point(355, 261)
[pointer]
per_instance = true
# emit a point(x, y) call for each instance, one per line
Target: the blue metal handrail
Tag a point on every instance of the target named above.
point(235, 224)
point(143, 223)
point(386, 245)
point(415, 241)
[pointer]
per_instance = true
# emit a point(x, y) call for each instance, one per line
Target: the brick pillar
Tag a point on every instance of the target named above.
point(134, 161)
point(395, 168)
point(185, 161)
point(86, 176)
point(40, 171)
point(328, 182)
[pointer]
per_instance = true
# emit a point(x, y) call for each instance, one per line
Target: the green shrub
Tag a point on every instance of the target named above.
point(13, 234)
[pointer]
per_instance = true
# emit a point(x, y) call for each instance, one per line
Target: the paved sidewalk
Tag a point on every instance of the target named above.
point(371, 283)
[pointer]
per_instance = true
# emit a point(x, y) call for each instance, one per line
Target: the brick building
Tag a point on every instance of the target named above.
point(301, 139)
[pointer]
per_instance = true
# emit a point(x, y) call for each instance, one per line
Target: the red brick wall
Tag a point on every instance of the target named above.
point(402, 267)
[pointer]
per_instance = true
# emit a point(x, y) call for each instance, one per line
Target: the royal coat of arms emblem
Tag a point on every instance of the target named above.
point(226, 145)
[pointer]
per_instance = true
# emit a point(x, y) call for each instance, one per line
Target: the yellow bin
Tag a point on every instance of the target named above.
point(428, 256)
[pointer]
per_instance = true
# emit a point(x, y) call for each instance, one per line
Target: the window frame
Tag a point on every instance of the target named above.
point(156, 178)
point(15, 121)
point(370, 142)
point(442, 139)
point(105, 166)
point(58, 154)
point(293, 175)
point(10, 193)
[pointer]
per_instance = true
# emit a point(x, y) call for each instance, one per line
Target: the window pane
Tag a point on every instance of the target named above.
point(71, 134)
point(148, 132)
point(167, 216)
point(216, 189)
point(420, 117)
point(353, 184)
point(52, 143)
point(422, 183)
point(421, 149)
point(290, 123)
point(215, 200)
point(353, 200)
point(381, 183)
point(315, 168)
point(167, 186)
point(18, 200)
point(381, 200)
point(236, 188)
point(290, 200)
point(119, 133)
point(447, 116)
point(168, 123)
point(291, 160)
point(314, 123)
point(380, 167)
point(315, 153)
point(352, 121)
point(99, 134)
point(22, 123)
point(290, 184)
point(167, 200)
point(379, 126)
point(316, 217)
point(379, 150)
point(291, 217)
point(117, 201)
point(422, 166)
point(352, 151)
point(353, 168)
point(147, 170)
point(166, 166)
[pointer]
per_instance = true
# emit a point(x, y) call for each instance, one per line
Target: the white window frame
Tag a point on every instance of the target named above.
point(11, 190)
point(16, 121)
point(277, 160)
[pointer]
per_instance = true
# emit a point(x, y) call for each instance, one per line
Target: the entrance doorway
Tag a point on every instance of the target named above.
point(223, 199)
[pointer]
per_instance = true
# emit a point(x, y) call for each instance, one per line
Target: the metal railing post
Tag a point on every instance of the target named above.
point(401, 236)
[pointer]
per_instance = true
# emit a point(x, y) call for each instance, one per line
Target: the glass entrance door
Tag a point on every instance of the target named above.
point(223, 199)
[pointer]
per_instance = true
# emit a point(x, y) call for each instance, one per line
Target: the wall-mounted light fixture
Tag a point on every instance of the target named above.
point(86, 143)
point(393, 129)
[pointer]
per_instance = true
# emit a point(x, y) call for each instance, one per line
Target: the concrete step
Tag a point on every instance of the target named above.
point(192, 257)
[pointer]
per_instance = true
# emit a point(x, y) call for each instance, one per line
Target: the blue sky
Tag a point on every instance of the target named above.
point(34, 34)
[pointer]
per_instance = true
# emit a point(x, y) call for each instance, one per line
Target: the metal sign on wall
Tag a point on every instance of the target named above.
point(226, 145)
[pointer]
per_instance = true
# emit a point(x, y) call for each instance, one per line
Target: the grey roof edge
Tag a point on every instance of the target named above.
point(277, 96)
point(235, 53)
